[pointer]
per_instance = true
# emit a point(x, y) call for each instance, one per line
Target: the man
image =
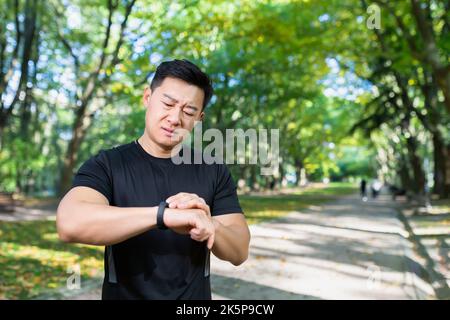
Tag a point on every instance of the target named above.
point(119, 197)
point(376, 187)
point(363, 189)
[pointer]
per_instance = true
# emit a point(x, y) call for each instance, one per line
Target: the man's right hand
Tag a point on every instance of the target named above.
point(191, 221)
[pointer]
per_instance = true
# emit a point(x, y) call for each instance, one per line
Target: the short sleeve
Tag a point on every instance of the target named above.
point(225, 195)
point(95, 174)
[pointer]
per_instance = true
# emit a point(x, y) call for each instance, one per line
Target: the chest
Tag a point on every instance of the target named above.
point(137, 184)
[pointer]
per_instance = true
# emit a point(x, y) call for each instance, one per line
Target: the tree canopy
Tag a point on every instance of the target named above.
point(351, 98)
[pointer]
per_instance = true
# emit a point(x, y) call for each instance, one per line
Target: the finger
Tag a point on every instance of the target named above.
point(194, 203)
point(201, 199)
point(199, 238)
point(171, 198)
point(210, 242)
point(174, 203)
point(181, 199)
point(189, 197)
point(205, 208)
point(194, 232)
point(194, 237)
point(201, 230)
point(175, 197)
point(198, 231)
point(194, 197)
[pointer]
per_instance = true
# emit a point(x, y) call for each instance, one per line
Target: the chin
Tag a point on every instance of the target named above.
point(167, 143)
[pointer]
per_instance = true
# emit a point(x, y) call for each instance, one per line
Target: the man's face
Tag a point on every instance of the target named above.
point(172, 106)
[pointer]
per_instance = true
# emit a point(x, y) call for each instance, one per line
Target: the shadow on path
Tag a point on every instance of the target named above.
point(346, 249)
point(238, 289)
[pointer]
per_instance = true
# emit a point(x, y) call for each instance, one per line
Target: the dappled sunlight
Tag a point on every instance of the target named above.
point(261, 208)
point(33, 260)
point(346, 198)
point(339, 251)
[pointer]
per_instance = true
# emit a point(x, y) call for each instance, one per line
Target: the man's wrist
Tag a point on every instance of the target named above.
point(217, 224)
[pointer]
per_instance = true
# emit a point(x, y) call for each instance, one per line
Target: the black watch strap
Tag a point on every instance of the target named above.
point(160, 215)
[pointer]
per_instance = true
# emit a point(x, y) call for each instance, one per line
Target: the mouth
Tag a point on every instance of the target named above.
point(168, 132)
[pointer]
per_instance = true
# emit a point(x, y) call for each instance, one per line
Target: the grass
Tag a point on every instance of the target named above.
point(440, 206)
point(33, 261)
point(261, 208)
point(431, 223)
point(437, 216)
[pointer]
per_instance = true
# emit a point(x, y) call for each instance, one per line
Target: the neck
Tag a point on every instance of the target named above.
point(154, 149)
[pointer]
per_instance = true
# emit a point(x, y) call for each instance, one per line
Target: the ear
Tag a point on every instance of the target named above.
point(202, 114)
point(146, 96)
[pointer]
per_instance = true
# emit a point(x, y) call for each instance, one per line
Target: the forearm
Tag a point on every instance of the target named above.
point(100, 224)
point(231, 243)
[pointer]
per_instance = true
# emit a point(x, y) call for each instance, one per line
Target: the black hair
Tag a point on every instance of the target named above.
point(186, 71)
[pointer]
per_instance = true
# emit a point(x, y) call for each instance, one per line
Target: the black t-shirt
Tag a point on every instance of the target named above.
point(157, 264)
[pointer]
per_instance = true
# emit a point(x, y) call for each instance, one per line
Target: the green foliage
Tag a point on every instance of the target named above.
point(263, 208)
point(270, 65)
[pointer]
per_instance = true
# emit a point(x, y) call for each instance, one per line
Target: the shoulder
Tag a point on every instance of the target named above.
point(106, 158)
point(115, 151)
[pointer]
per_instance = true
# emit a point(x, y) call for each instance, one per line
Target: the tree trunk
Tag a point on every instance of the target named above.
point(441, 70)
point(93, 84)
point(416, 166)
point(279, 183)
point(298, 171)
point(431, 122)
point(447, 172)
point(70, 159)
point(404, 175)
point(25, 40)
point(439, 156)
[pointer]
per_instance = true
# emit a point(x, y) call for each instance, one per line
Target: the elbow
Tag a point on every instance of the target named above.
point(65, 232)
point(239, 261)
point(65, 227)
point(243, 256)
point(65, 237)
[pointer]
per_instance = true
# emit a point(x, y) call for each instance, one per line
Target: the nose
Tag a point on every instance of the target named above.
point(174, 116)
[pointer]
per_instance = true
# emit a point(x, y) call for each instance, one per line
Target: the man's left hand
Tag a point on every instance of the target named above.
point(185, 200)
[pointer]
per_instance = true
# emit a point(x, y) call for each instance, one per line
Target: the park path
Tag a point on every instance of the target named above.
point(344, 249)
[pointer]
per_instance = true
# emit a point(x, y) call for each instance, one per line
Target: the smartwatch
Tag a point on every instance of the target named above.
point(160, 215)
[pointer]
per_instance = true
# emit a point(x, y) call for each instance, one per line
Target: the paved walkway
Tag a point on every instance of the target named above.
point(432, 237)
point(346, 249)
point(30, 213)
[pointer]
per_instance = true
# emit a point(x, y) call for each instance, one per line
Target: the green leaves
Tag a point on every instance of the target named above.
point(267, 59)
